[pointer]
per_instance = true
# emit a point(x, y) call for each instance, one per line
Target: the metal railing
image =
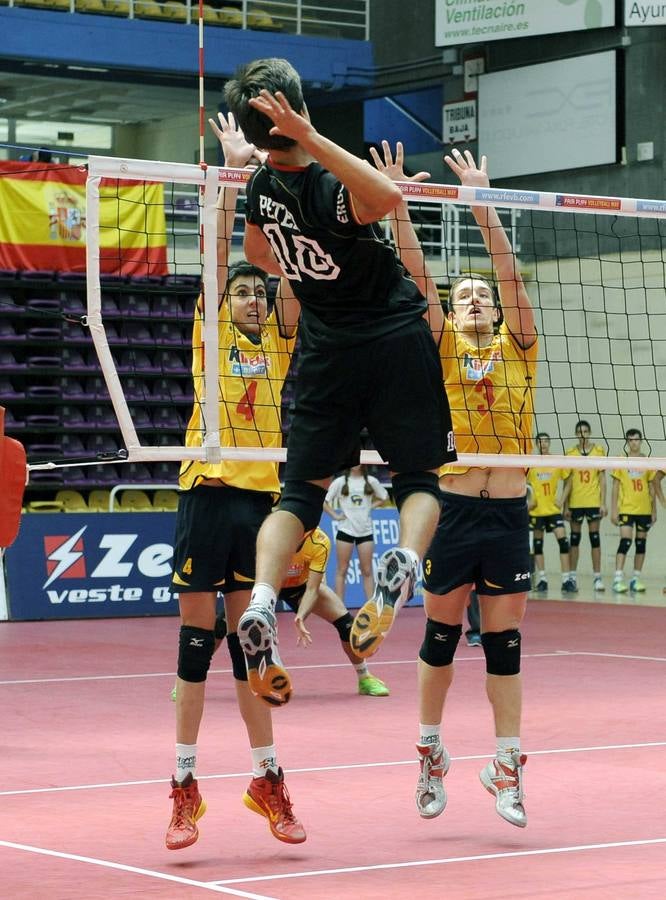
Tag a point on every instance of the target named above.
point(326, 18)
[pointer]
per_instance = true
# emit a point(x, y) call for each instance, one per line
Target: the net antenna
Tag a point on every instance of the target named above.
point(608, 286)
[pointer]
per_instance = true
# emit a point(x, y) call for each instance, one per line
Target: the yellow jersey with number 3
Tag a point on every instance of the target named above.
point(311, 557)
point(251, 377)
point(491, 393)
point(585, 483)
point(544, 484)
point(634, 498)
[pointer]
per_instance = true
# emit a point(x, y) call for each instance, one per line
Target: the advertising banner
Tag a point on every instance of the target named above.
point(459, 22)
point(79, 566)
point(644, 13)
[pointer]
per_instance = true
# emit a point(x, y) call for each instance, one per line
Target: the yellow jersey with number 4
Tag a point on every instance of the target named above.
point(634, 498)
point(491, 393)
point(251, 377)
point(585, 483)
point(544, 483)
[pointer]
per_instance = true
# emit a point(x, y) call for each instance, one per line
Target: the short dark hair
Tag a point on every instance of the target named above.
point(272, 74)
point(633, 432)
point(582, 424)
point(542, 434)
point(243, 268)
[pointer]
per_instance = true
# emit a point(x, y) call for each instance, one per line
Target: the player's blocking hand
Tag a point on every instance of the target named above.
point(286, 121)
point(394, 168)
point(465, 167)
point(237, 151)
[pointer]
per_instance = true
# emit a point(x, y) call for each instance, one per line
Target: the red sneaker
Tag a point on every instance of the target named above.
point(188, 807)
point(269, 797)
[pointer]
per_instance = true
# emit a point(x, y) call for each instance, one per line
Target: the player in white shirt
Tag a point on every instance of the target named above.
point(355, 494)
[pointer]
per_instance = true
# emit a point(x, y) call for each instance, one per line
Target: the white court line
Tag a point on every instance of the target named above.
point(445, 860)
point(189, 882)
point(340, 665)
point(338, 768)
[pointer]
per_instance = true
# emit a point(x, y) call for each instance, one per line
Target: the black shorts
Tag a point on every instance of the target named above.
point(393, 386)
point(480, 542)
point(547, 523)
point(292, 596)
point(642, 523)
point(582, 513)
point(216, 536)
point(352, 539)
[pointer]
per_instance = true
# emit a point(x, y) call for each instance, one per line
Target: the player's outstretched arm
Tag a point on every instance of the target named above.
point(405, 237)
point(305, 607)
point(515, 301)
point(373, 196)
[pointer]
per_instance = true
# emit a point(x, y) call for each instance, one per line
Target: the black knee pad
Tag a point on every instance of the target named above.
point(564, 545)
point(575, 538)
point(406, 483)
point(640, 545)
point(305, 501)
point(220, 630)
point(538, 546)
point(195, 651)
point(595, 539)
point(623, 546)
point(343, 627)
point(439, 644)
point(502, 651)
point(237, 659)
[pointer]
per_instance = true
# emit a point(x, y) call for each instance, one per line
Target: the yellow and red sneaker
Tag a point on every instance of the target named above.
point(269, 797)
point(188, 807)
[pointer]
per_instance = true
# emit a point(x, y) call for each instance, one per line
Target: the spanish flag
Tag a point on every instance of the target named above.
point(43, 221)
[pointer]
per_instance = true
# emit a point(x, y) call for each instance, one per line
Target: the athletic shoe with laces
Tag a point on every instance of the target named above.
point(542, 586)
point(370, 686)
point(396, 577)
point(569, 586)
point(430, 794)
point(619, 586)
point(599, 585)
point(267, 677)
point(269, 797)
point(188, 808)
point(637, 586)
point(473, 639)
point(505, 782)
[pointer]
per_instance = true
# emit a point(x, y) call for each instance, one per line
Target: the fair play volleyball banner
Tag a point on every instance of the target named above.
point(477, 21)
point(43, 221)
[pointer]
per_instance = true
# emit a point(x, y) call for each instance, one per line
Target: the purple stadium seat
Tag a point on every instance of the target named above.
point(38, 275)
point(96, 387)
point(71, 389)
point(167, 417)
point(46, 478)
point(106, 475)
point(74, 361)
point(8, 333)
point(7, 361)
point(72, 332)
point(12, 423)
point(74, 476)
point(8, 391)
point(72, 445)
point(166, 472)
point(134, 305)
point(71, 417)
point(140, 417)
point(167, 389)
point(109, 305)
point(37, 420)
point(44, 304)
point(135, 473)
point(46, 452)
point(136, 361)
point(145, 279)
point(43, 391)
point(71, 277)
point(135, 389)
point(170, 363)
point(8, 275)
point(101, 443)
point(192, 281)
point(43, 362)
point(166, 306)
point(168, 333)
point(100, 417)
point(74, 304)
point(136, 333)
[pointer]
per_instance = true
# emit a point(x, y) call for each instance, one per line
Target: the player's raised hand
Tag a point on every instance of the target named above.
point(393, 168)
point(303, 636)
point(237, 151)
point(465, 167)
point(286, 121)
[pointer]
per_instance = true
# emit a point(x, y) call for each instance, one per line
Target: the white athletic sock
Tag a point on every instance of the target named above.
point(597, 574)
point(186, 761)
point(619, 575)
point(263, 595)
point(263, 759)
point(637, 574)
point(506, 746)
point(429, 734)
point(361, 669)
point(542, 574)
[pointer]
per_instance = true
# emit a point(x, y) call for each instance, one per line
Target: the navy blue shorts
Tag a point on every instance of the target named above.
point(482, 542)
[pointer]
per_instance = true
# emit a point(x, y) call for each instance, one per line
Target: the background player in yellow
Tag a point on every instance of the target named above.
point(632, 505)
point(548, 493)
point(305, 591)
point(220, 510)
point(586, 501)
point(488, 354)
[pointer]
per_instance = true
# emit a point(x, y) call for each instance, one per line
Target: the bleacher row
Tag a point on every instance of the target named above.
point(134, 500)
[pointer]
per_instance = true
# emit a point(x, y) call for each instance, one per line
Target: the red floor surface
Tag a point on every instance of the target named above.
point(88, 743)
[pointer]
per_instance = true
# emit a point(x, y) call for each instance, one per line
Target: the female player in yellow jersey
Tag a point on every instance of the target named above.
point(221, 508)
point(545, 506)
point(586, 500)
point(488, 352)
point(632, 504)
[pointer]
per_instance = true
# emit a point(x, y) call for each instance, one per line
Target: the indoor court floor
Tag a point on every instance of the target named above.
point(89, 726)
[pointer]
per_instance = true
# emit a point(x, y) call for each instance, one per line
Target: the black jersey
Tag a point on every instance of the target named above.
point(351, 285)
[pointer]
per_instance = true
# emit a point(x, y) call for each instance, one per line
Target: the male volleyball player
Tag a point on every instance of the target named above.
point(220, 510)
point(632, 505)
point(368, 357)
point(546, 504)
point(488, 353)
point(586, 501)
